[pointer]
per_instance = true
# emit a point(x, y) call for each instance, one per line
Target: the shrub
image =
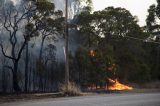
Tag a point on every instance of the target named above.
point(70, 89)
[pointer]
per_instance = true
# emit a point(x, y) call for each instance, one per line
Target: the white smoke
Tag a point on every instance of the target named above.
point(15, 2)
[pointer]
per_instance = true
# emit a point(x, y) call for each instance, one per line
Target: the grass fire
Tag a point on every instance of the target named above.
point(49, 47)
point(112, 85)
point(116, 85)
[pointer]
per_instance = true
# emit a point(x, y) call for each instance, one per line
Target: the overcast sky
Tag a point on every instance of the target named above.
point(136, 7)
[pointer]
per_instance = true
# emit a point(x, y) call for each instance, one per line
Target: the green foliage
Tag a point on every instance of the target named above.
point(93, 69)
point(45, 7)
point(153, 28)
point(158, 9)
point(142, 73)
point(44, 19)
point(153, 18)
point(108, 33)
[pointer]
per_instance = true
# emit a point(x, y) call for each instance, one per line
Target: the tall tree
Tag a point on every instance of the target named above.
point(153, 27)
point(30, 18)
point(109, 34)
point(13, 19)
point(153, 18)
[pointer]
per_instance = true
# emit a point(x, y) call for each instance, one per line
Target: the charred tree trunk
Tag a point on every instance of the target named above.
point(16, 86)
point(4, 83)
point(26, 69)
point(41, 48)
point(40, 65)
point(66, 47)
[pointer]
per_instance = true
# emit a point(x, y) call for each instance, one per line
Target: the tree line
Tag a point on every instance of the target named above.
point(114, 46)
point(110, 45)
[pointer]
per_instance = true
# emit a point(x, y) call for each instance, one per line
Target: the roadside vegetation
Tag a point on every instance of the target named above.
point(109, 45)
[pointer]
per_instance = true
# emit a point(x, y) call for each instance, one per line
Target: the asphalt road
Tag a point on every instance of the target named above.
point(149, 99)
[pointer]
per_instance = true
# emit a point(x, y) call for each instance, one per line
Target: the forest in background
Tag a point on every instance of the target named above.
point(109, 44)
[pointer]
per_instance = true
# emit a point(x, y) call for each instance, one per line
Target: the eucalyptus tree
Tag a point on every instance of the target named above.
point(12, 24)
point(153, 18)
point(51, 24)
point(153, 28)
point(108, 33)
point(20, 25)
point(51, 27)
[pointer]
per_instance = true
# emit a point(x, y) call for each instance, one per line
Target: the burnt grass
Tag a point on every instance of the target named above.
point(13, 97)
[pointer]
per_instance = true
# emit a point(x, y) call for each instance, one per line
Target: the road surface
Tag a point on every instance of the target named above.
point(149, 99)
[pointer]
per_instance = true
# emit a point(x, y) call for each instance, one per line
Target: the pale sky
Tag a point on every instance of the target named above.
point(136, 7)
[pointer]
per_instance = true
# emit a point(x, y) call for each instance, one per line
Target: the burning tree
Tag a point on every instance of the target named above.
point(108, 31)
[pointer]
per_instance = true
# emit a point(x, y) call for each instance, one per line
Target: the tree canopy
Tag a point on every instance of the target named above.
point(109, 34)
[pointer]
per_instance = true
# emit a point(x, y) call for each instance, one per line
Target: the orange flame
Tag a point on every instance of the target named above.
point(116, 85)
point(92, 53)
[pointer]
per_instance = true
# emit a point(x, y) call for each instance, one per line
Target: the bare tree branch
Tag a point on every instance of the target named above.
point(3, 52)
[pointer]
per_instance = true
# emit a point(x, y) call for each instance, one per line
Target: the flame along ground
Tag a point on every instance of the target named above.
point(115, 85)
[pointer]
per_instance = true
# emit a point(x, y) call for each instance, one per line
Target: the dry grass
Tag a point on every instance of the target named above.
point(70, 89)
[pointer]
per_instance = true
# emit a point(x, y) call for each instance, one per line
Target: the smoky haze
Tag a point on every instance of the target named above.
point(34, 48)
